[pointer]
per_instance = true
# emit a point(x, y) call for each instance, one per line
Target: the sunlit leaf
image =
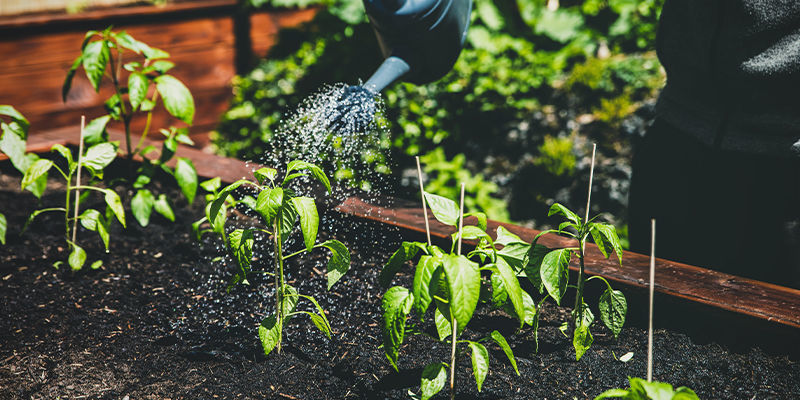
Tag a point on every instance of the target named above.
point(396, 305)
point(309, 219)
point(339, 263)
point(433, 379)
point(480, 363)
point(445, 210)
point(269, 332)
point(142, 205)
point(613, 308)
point(177, 99)
point(186, 176)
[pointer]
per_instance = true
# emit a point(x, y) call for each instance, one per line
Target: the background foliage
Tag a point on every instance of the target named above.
point(536, 83)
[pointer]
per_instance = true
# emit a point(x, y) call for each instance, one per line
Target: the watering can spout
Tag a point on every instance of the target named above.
point(390, 70)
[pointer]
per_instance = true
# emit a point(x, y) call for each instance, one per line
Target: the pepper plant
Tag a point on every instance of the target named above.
point(102, 56)
point(13, 137)
point(280, 208)
point(548, 270)
point(643, 390)
point(452, 283)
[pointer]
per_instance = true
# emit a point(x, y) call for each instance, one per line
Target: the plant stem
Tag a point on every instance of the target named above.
point(126, 118)
point(278, 284)
point(424, 207)
point(78, 182)
point(578, 308)
point(652, 287)
point(146, 125)
point(453, 322)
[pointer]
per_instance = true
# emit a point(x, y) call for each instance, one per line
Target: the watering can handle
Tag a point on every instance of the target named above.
point(392, 68)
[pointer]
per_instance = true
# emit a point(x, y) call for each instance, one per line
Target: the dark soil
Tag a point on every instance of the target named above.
point(156, 322)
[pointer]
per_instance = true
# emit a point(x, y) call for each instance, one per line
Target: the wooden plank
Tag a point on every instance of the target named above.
point(746, 296)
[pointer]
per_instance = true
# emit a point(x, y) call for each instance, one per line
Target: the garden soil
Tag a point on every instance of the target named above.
point(157, 321)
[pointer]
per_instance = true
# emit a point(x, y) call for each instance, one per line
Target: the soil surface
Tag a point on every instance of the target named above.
point(156, 322)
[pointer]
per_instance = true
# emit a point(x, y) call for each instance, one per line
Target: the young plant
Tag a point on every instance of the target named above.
point(13, 136)
point(280, 208)
point(94, 159)
point(102, 54)
point(643, 390)
point(548, 271)
point(452, 283)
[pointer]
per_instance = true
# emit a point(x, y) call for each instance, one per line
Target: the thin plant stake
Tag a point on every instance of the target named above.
point(579, 295)
point(652, 287)
point(424, 206)
point(78, 182)
point(453, 322)
point(591, 177)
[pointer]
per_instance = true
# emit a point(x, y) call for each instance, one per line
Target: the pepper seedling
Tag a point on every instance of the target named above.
point(641, 389)
point(13, 137)
point(280, 208)
point(452, 283)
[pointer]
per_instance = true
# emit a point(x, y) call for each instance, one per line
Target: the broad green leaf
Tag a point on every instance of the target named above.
point(433, 379)
point(316, 171)
point(66, 153)
point(557, 208)
point(407, 251)
point(530, 308)
point(142, 205)
point(162, 207)
point(37, 169)
point(70, 75)
point(516, 255)
point(472, 232)
point(77, 257)
point(211, 185)
point(612, 393)
point(613, 308)
point(128, 42)
point(512, 288)
point(3, 228)
point(582, 338)
point(505, 237)
point(480, 363)
point(115, 205)
point(95, 59)
point(445, 210)
point(652, 390)
point(99, 156)
point(501, 341)
point(268, 203)
point(92, 220)
point(554, 273)
point(287, 215)
point(443, 327)
point(269, 332)
point(339, 263)
point(422, 277)
point(161, 66)
point(152, 53)
point(177, 99)
point(606, 239)
point(319, 322)
point(481, 217)
point(289, 299)
point(15, 115)
point(464, 284)
point(97, 264)
point(219, 201)
point(240, 241)
point(396, 305)
point(12, 144)
point(186, 176)
point(499, 294)
point(309, 219)
point(263, 174)
point(321, 314)
point(684, 393)
point(137, 88)
point(532, 268)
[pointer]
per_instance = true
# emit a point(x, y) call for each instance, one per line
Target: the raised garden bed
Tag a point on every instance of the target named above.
point(156, 322)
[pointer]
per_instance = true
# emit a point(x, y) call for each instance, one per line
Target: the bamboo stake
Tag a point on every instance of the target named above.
point(578, 307)
point(78, 182)
point(652, 287)
point(424, 206)
point(591, 178)
point(453, 321)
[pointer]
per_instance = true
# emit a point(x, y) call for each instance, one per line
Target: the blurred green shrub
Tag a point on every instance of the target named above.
point(572, 73)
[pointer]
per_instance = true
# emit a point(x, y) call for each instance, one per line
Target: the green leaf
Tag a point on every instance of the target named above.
point(505, 237)
point(557, 208)
point(309, 219)
point(533, 267)
point(12, 143)
point(3, 228)
point(684, 393)
point(99, 156)
point(137, 88)
point(142, 205)
point(555, 273)
point(162, 207)
point(177, 99)
point(289, 299)
point(269, 332)
point(152, 53)
point(95, 59)
point(582, 338)
point(326, 326)
point(70, 75)
point(64, 152)
point(319, 322)
point(15, 115)
point(464, 284)
point(161, 66)
point(422, 277)
point(480, 363)
point(268, 203)
point(262, 174)
point(94, 221)
point(516, 255)
point(501, 341)
point(115, 205)
point(612, 393)
point(316, 171)
point(433, 379)
point(128, 42)
point(396, 305)
point(512, 288)
point(613, 308)
point(481, 218)
point(443, 327)
point(77, 257)
point(445, 210)
point(472, 232)
point(219, 201)
point(97, 264)
point(211, 185)
point(186, 176)
point(339, 263)
point(406, 252)
point(606, 239)
point(240, 241)
point(287, 215)
point(38, 169)
point(651, 390)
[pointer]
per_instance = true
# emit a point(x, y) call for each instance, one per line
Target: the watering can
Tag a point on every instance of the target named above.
point(420, 41)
